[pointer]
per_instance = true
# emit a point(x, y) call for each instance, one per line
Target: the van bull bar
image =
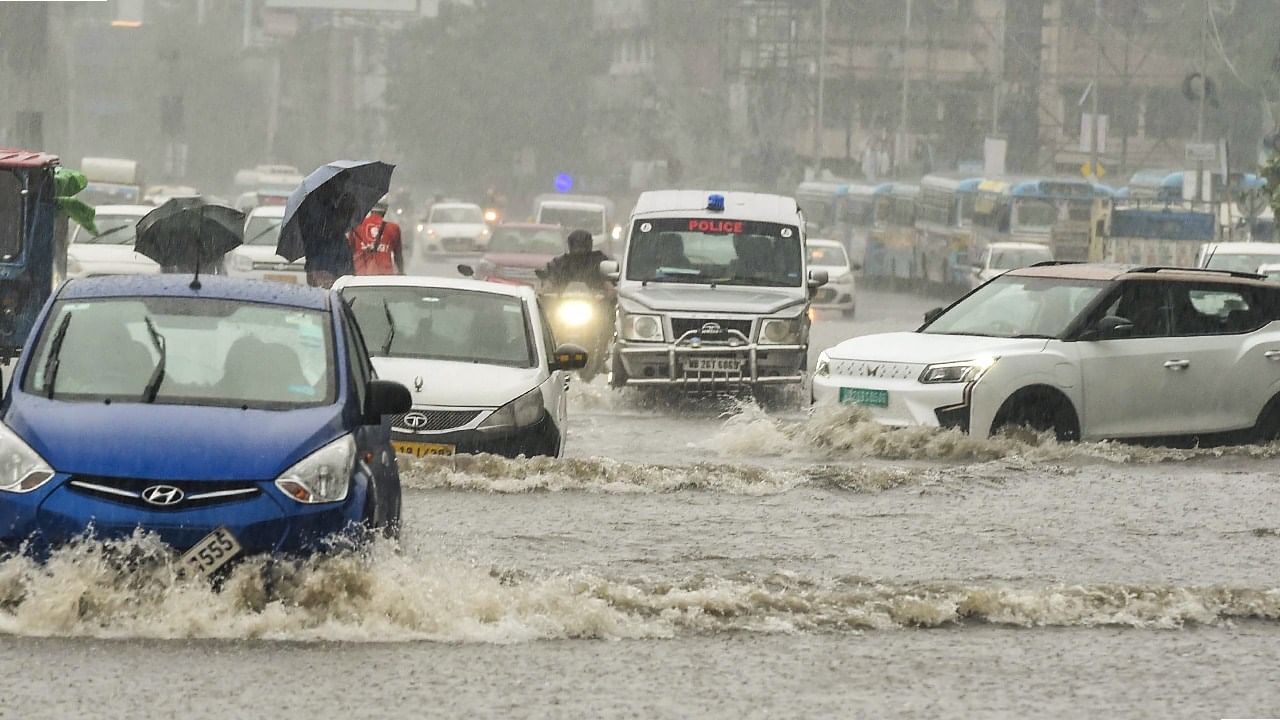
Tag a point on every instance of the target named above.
point(690, 360)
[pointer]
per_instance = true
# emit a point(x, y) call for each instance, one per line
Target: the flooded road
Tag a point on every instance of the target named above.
point(711, 561)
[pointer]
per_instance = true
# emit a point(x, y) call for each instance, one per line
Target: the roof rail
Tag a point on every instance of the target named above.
point(1051, 263)
point(1214, 271)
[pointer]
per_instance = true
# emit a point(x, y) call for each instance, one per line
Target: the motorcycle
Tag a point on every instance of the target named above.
point(582, 316)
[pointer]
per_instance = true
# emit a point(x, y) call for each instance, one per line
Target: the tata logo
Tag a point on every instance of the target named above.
point(163, 495)
point(711, 328)
point(415, 420)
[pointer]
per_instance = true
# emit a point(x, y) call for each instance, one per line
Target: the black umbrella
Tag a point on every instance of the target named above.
point(326, 206)
point(187, 234)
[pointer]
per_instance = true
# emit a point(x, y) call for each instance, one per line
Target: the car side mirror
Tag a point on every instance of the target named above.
point(385, 397)
point(466, 270)
point(933, 314)
point(569, 357)
point(817, 278)
point(609, 269)
point(1111, 327)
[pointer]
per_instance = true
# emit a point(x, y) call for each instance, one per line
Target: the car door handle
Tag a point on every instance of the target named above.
point(1177, 364)
point(1272, 355)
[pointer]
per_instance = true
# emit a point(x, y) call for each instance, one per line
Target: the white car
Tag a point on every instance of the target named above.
point(1270, 271)
point(1086, 351)
point(581, 214)
point(1001, 257)
point(1238, 256)
point(484, 369)
point(452, 227)
point(256, 259)
point(110, 252)
point(840, 292)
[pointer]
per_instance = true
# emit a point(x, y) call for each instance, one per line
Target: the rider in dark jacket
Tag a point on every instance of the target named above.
point(580, 264)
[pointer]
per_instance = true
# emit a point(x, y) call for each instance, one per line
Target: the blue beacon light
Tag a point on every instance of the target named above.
point(715, 203)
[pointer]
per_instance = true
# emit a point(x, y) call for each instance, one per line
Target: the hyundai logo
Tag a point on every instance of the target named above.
point(711, 328)
point(163, 495)
point(415, 420)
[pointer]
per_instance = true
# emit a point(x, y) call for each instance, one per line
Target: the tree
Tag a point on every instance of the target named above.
point(476, 87)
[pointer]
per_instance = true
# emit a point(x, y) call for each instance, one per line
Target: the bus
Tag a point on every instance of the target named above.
point(891, 247)
point(944, 235)
point(1170, 236)
point(842, 211)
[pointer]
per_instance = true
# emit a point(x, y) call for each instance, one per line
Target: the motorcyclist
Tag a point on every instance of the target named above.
point(580, 264)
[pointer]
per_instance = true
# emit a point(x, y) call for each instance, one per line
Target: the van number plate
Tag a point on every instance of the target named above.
point(721, 365)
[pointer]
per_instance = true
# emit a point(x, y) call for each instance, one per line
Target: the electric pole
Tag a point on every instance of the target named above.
point(818, 122)
point(906, 92)
point(1097, 75)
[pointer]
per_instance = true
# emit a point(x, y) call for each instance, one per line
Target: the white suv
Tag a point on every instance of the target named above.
point(1088, 351)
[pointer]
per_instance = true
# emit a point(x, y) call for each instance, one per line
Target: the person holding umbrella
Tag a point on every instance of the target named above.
point(375, 244)
point(189, 235)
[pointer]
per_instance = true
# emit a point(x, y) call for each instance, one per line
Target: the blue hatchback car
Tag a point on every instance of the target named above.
point(238, 417)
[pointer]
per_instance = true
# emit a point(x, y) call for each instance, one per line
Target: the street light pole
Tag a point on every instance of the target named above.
point(906, 92)
point(1097, 72)
point(822, 77)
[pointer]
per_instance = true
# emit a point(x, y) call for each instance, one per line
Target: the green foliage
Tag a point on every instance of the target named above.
point(67, 184)
point(472, 88)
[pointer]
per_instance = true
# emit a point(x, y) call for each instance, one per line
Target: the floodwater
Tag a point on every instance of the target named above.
point(710, 561)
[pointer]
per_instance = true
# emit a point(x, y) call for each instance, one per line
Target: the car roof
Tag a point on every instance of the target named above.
point(455, 205)
point(1109, 271)
point(14, 158)
point(138, 210)
point(760, 207)
point(572, 204)
point(211, 287)
point(350, 281)
point(823, 242)
point(267, 211)
point(1245, 248)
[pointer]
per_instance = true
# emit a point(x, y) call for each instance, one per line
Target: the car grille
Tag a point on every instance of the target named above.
point(432, 421)
point(680, 326)
point(195, 494)
point(458, 244)
point(884, 370)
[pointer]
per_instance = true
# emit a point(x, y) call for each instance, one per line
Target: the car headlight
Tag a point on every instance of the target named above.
point(491, 216)
point(421, 227)
point(21, 468)
point(616, 233)
point(823, 368)
point(521, 412)
point(781, 331)
point(957, 372)
point(324, 476)
point(645, 328)
point(574, 313)
point(431, 232)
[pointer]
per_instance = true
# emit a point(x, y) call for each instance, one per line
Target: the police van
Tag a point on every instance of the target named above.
point(713, 293)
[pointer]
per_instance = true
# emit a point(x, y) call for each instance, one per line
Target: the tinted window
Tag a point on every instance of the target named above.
point(1218, 309)
point(1143, 303)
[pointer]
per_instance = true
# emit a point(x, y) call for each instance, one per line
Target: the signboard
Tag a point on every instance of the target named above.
point(993, 156)
point(1086, 133)
point(1201, 152)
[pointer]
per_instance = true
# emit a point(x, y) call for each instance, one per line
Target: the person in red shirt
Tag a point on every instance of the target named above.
point(375, 244)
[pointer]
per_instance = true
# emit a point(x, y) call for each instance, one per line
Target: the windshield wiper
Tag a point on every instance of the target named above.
point(391, 329)
point(157, 376)
point(112, 231)
point(53, 362)
point(1033, 336)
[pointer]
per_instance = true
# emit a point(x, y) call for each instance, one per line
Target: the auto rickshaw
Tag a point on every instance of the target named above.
point(33, 244)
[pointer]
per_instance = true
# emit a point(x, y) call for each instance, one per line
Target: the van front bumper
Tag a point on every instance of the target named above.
point(674, 364)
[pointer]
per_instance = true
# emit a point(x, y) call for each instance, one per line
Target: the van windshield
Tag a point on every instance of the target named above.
point(572, 218)
point(715, 251)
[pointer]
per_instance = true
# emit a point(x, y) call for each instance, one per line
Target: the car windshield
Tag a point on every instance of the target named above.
point(1012, 306)
point(1036, 213)
point(468, 215)
point(112, 230)
point(262, 230)
point(589, 219)
point(443, 324)
point(1013, 258)
point(827, 255)
point(715, 251)
point(1241, 262)
point(526, 242)
point(215, 352)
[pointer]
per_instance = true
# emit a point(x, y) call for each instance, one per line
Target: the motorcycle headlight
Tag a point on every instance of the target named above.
point(645, 328)
point(616, 233)
point(21, 468)
point(574, 313)
point(521, 412)
point(421, 227)
point(957, 372)
point(491, 216)
point(324, 476)
point(778, 331)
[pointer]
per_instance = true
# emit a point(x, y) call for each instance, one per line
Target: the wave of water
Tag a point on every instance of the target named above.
point(378, 594)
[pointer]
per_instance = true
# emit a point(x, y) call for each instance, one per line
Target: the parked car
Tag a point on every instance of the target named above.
point(840, 292)
point(1001, 257)
point(110, 252)
point(1086, 351)
point(232, 419)
point(256, 259)
point(1238, 256)
point(517, 251)
point(484, 368)
point(452, 228)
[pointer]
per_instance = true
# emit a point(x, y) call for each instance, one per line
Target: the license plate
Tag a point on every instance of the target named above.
point(730, 365)
point(212, 552)
point(864, 396)
point(421, 449)
point(281, 277)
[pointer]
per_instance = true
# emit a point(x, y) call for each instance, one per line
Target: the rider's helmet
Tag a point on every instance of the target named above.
point(579, 242)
